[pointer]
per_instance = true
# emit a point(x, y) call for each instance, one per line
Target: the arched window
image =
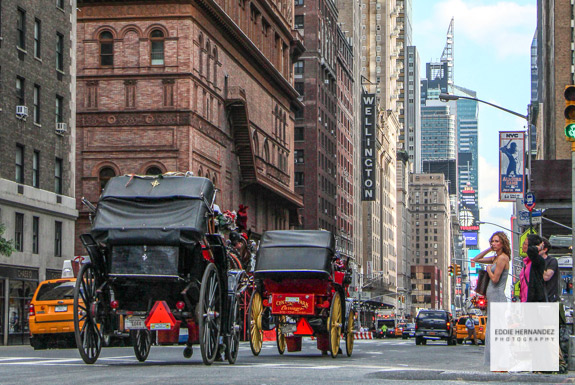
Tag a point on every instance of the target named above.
point(209, 54)
point(215, 180)
point(207, 108)
point(201, 50)
point(106, 49)
point(283, 135)
point(256, 144)
point(157, 47)
point(200, 172)
point(266, 152)
point(105, 175)
point(154, 170)
point(215, 65)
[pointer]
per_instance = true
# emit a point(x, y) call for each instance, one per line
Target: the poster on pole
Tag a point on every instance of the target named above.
point(511, 165)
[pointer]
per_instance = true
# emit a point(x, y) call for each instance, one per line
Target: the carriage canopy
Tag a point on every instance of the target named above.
point(160, 210)
point(303, 253)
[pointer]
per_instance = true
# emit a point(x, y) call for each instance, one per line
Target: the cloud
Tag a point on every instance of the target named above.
point(491, 209)
point(505, 26)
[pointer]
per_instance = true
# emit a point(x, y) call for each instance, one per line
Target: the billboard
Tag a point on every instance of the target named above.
point(470, 238)
point(468, 210)
point(511, 165)
point(368, 115)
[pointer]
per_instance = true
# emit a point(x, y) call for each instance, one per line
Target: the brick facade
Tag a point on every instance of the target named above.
point(218, 104)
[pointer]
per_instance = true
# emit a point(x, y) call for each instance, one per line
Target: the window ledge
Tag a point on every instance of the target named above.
point(60, 71)
point(38, 125)
point(37, 58)
point(22, 50)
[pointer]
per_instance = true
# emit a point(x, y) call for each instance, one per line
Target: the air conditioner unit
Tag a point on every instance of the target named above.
point(61, 128)
point(21, 112)
point(326, 81)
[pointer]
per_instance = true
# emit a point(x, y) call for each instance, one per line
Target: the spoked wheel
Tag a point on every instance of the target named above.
point(86, 332)
point(209, 314)
point(334, 324)
point(142, 341)
point(255, 323)
point(280, 337)
point(233, 345)
point(349, 336)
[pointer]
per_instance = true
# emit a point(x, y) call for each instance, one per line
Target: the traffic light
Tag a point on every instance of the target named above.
point(450, 270)
point(457, 270)
point(481, 303)
point(569, 94)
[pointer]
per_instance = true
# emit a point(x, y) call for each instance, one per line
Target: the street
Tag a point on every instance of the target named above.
point(393, 361)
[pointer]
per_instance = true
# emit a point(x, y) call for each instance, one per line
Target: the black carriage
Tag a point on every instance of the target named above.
point(301, 290)
point(156, 264)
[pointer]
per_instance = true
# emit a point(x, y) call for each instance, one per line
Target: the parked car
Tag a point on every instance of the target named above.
point(434, 325)
point(51, 315)
point(408, 331)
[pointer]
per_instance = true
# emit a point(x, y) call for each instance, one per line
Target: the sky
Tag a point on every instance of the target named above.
point(492, 47)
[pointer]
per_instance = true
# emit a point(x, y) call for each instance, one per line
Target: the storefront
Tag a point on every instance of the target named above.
point(17, 286)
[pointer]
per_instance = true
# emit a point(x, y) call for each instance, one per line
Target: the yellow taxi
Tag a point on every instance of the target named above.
point(51, 314)
point(480, 325)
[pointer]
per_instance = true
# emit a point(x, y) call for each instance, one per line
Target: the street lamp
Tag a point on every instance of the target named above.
point(495, 224)
point(448, 97)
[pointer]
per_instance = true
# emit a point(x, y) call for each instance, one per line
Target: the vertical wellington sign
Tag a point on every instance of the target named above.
point(368, 115)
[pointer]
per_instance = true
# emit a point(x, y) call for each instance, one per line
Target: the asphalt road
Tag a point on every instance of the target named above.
point(392, 361)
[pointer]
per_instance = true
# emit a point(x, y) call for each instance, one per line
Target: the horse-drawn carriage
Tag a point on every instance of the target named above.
point(157, 264)
point(301, 290)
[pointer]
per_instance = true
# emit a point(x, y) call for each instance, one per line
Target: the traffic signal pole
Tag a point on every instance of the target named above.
point(569, 113)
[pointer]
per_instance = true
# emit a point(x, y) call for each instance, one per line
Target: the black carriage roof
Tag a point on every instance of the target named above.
point(158, 187)
point(160, 210)
point(298, 238)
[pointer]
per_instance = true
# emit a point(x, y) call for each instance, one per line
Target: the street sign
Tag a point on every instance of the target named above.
point(523, 217)
point(523, 238)
point(529, 201)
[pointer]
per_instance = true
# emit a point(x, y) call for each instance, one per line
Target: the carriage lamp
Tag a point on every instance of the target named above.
point(180, 305)
point(114, 304)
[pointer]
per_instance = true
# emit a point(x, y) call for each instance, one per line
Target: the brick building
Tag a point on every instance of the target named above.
point(426, 288)
point(204, 86)
point(316, 127)
point(36, 162)
point(431, 230)
point(345, 150)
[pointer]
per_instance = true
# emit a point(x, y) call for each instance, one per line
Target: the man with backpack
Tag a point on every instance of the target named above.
point(470, 325)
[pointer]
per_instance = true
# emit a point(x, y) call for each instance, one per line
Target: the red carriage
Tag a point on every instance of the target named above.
point(301, 290)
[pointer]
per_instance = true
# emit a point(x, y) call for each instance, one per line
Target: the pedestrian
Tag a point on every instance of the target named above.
point(551, 286)
point(531, 276)
point(498, 272)
point(383, 330)
point(470, 325)
point(551, 273)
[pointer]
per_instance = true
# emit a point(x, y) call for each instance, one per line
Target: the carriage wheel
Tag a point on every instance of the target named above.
point(233, 345)
point(209, 314)
point(86, 331)
point(334, 324)
point(280, 337)
point(255, 323)
point(142, 341)
point(349, 336)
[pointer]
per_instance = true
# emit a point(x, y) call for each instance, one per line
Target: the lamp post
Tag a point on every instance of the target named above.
point(495, 224)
